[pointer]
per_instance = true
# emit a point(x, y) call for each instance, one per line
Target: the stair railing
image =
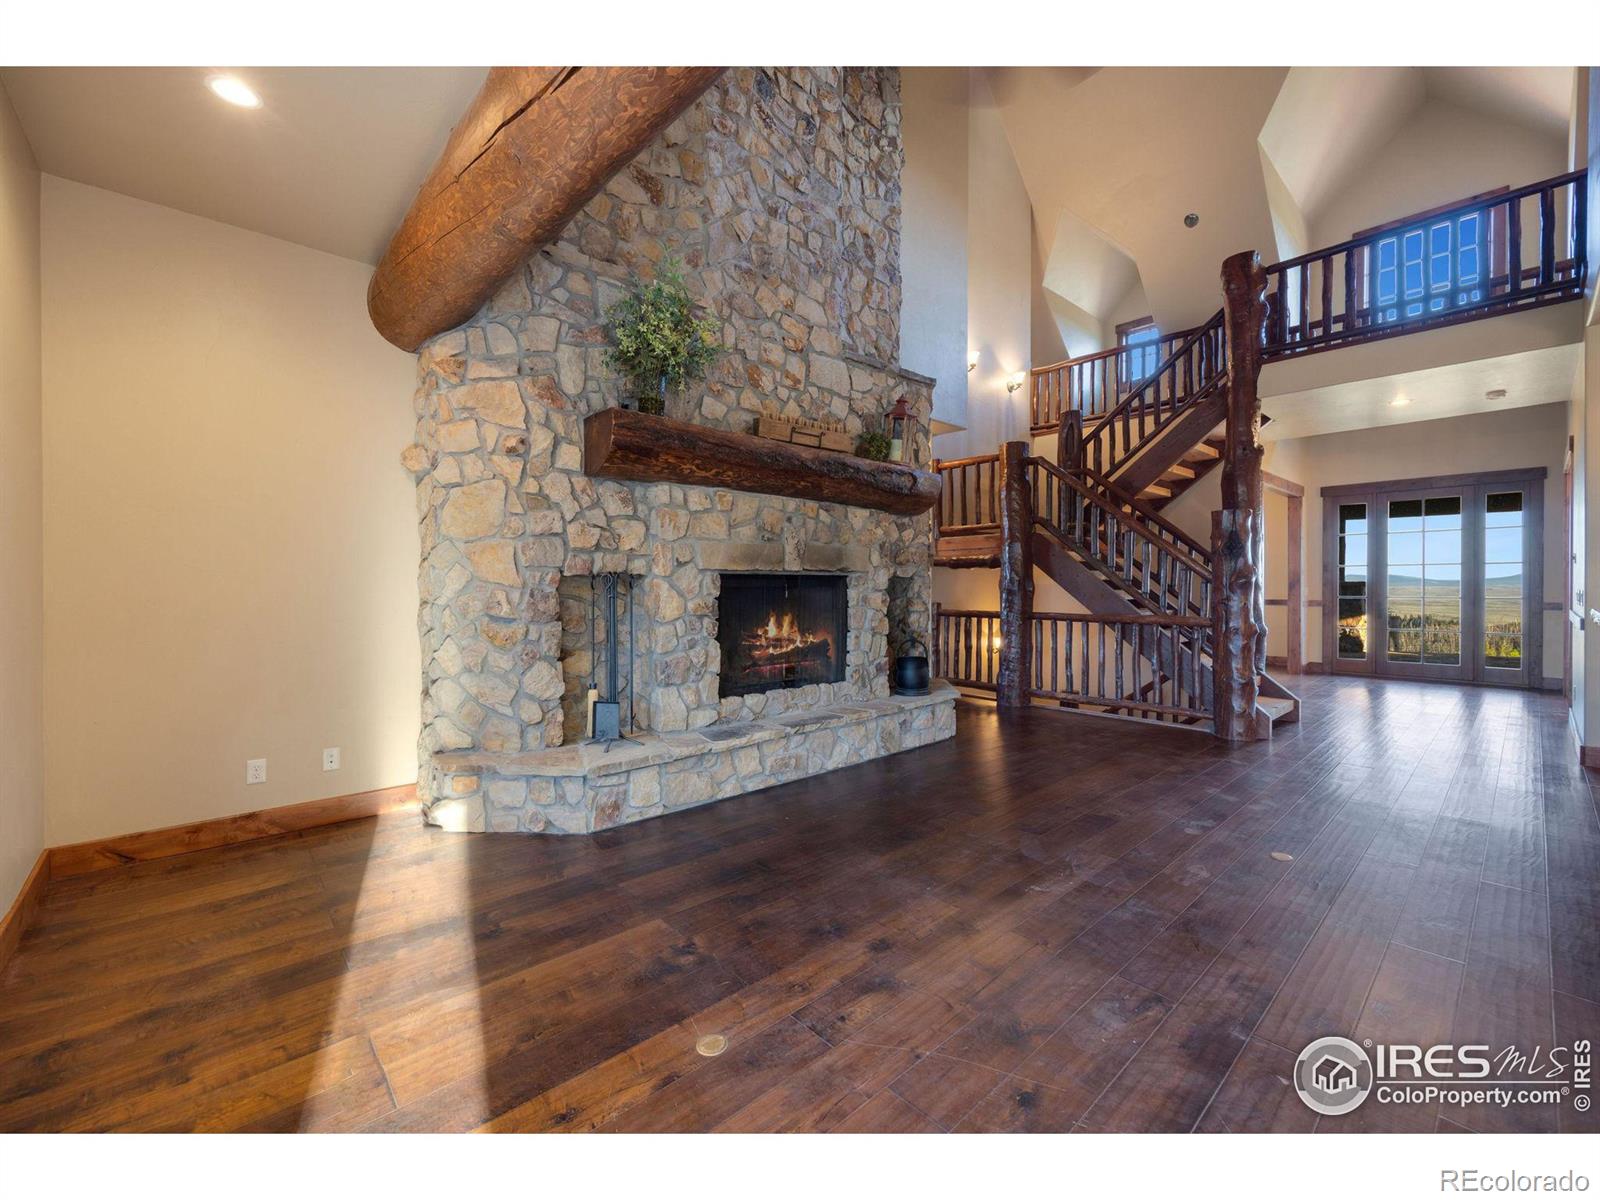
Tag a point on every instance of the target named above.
point(969, 495)
point(1517, 249)
point(1187, 375)
point(1158, 566)
point(1092, 384)
point(1156, 525)
point(1150, 664)
point(966, 647)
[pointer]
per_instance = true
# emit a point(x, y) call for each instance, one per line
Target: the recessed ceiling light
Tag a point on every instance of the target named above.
point(234, 91)
point(1496, 394)
point(1191, 219)
point(1399, 402)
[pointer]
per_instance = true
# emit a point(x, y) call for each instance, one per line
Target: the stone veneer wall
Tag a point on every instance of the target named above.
point(779, 189)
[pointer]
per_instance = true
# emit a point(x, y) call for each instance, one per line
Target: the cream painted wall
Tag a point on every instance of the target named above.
point(970, 279)
point(1047, 341)
point(1587, 646)
point(21, 529)
point(1135, 304)
point(1442, 154)
point(230, 542)
point(999, 282)
point(1577, 600)
point(1078, 331)
point(933, 235)
point(1288, 220)
point(1509, 438)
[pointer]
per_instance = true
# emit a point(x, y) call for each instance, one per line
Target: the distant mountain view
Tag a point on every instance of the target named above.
point(1502, 599)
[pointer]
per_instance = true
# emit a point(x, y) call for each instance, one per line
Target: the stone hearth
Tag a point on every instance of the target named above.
point(591, 786)
point(779, 190)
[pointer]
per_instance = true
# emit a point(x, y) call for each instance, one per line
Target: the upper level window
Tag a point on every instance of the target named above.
point(1142, 341)
point(1431, 261)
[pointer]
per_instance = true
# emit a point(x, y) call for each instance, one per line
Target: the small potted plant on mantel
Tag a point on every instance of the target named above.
point(657, 342)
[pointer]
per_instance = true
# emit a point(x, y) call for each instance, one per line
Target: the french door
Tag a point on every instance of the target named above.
point(1436, 579)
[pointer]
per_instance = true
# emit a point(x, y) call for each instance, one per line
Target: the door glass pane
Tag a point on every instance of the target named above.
point(1405, 548)
point(1405, 516)
point(1353, 550)
point(1442, 512)
point(1352, 628)
point(1441, 607)
point(1502, 582)
point(1405, 614)
point(1424, 581)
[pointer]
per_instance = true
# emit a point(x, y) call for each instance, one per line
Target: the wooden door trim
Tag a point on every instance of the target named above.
point(1474, 488)
point(1429, 482)
point(1332, 662)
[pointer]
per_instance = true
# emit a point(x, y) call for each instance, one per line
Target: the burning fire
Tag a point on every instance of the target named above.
point(785, 630)
point(783, 642)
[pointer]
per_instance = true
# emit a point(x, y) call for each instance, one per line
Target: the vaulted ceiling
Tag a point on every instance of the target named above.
point(330, 159)
point(1114, 158)
point(1130, 151)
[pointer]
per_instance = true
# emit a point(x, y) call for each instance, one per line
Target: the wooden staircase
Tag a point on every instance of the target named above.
point(1175, 626)
point(1147, 644)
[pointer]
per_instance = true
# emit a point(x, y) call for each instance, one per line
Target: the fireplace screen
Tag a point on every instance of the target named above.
point(780, 631)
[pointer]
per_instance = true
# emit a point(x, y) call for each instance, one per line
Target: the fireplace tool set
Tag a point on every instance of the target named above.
point(608, 593)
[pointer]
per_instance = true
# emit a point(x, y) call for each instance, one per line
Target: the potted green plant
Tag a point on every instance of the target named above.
point(657, 342)
point(873, 445)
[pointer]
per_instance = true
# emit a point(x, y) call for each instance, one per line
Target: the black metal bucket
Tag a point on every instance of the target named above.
point(911, 676)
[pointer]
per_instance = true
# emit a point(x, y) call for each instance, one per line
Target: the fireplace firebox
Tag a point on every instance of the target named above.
point(781, 631)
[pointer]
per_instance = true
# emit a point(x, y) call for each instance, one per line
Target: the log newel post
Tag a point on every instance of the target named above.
point(1239, 635)
point(1016, 576)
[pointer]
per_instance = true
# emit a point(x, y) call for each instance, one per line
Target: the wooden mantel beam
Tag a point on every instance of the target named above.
point(531, 150)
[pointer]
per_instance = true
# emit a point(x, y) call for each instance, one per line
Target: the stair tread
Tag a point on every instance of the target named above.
point(1275, 706)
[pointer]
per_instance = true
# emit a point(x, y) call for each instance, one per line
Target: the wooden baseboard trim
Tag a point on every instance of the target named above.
point(20, 915)
point(105, 853)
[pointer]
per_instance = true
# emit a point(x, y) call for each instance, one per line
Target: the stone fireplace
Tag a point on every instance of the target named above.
point(779, 190)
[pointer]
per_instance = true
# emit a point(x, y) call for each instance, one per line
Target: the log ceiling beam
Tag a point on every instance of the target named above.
point(535, 145)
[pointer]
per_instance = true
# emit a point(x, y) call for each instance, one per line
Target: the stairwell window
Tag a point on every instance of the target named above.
point(1140, 342)
point(1430, 262)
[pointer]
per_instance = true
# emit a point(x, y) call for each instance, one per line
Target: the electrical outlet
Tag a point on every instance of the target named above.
point(330, 759)
point(255, 771)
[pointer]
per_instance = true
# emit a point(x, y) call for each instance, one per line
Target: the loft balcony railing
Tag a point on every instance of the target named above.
point(1518, 249)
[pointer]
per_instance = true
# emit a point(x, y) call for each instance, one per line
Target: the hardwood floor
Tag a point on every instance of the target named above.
point(1052, 922)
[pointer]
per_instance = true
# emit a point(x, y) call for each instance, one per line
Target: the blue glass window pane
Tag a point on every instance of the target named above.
point(1467, 233)
point(1439, 257)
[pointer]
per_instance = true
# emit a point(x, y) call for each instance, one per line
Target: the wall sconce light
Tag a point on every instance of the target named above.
point(972, 361)
point(1013, 382)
